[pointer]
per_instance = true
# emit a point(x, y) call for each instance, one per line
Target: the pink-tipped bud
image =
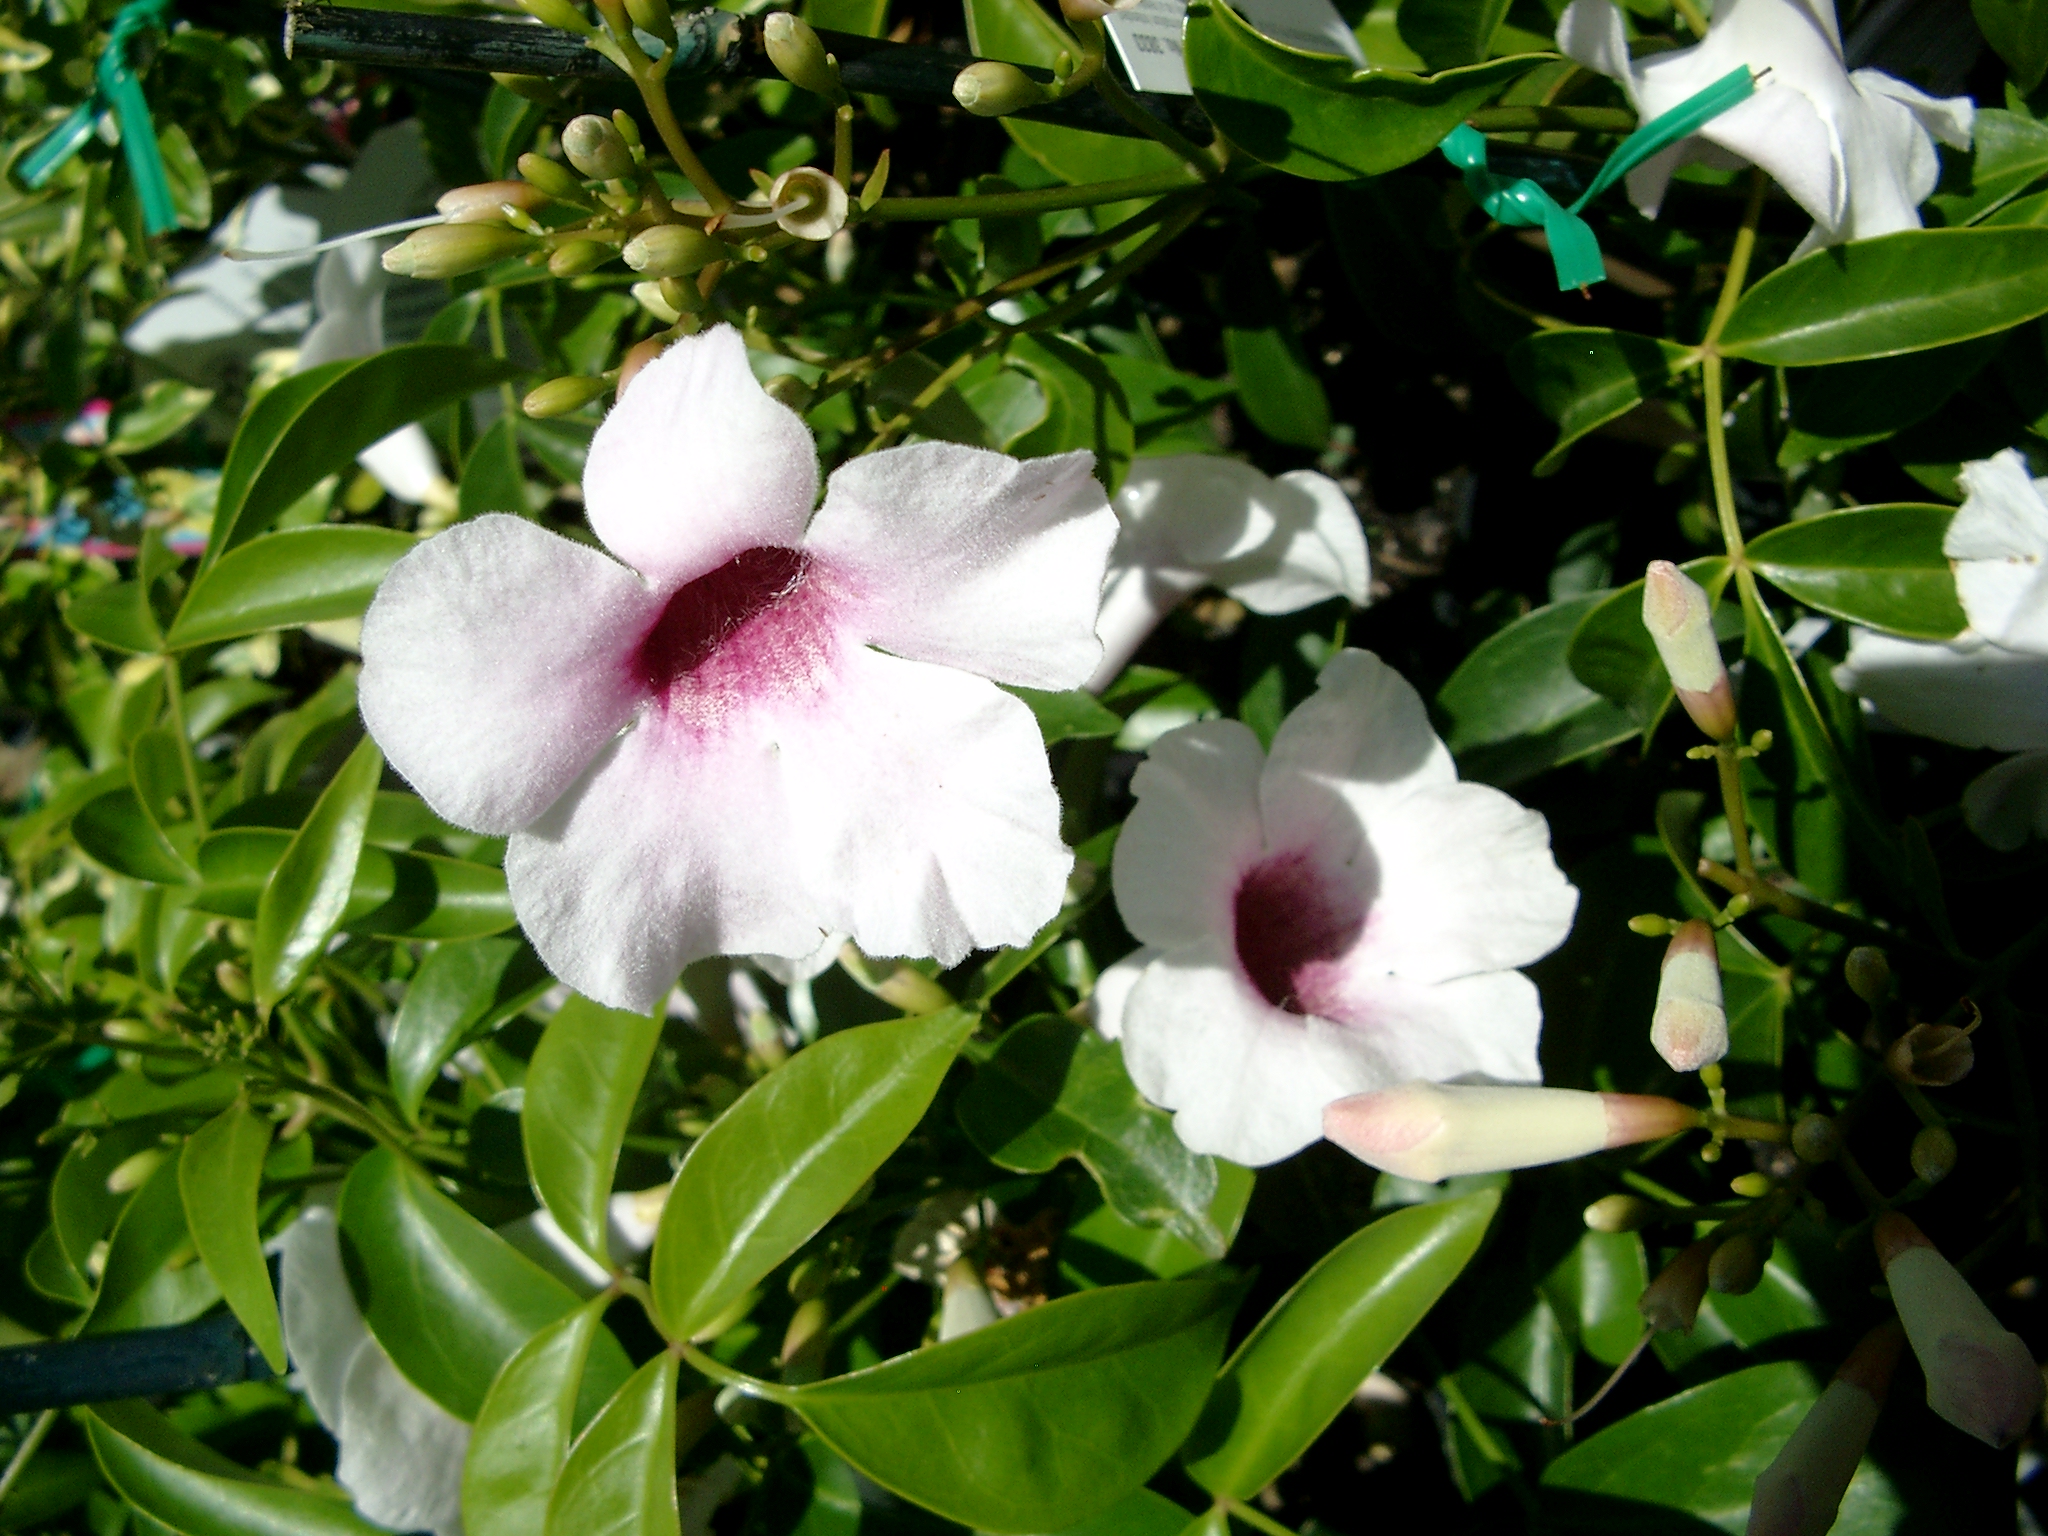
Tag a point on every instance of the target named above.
point(484, 202)
point(1671, 1302)
point(1801, 1490)
point(1681, 622)
point(1980, 1376)
point(1433, 1131)
point(1690, 1026)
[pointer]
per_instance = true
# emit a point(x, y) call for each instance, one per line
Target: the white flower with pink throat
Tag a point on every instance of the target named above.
point(1340, 916)
point(765, 726)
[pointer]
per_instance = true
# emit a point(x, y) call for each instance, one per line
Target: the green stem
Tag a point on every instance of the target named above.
point(842, 144)
point(494, 322)
point(1694, 16)
point(26, 1451)
point(1256, 1518)
point(174, 700)
point(1169, 231)
point(1710, 368)
point(725, 1375)
point(647, 78)
point(888, 432)
point(997, 205)
point(1728, 764)
point(1541, 119)
point(1111, 90)
point(1762, 893)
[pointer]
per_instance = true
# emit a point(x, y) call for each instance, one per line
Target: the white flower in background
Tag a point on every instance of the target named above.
point(1855, 150)
point(1989, 686)
point(1341, 916)
point(1190, 521)
point(814, 745)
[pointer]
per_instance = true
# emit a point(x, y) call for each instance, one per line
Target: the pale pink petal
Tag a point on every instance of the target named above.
point(971, 559)
point(1192, 510)
point(1315, 552)
point(696, 463)
point(1134, 599)
point(400, 1451)
point(673, 845)
point(1477, 1028)
point(495, 665)
point(1999, 543)
point(1194, 832)
point(1112, 992)
point(2004, 805)
point(1349, 753)
point(921, 810)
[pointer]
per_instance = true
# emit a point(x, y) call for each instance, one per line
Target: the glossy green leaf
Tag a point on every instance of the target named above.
point(461, 992)
point(1846, 405)
point(394, 895)
point(185, 174)
point(164, 410)
point(1898, 293)
point(1039, 1421)
point(1054, 1089)
point(620, 1479)
point(1102, 1248)
point(156, 771)
point(1085, 407)
point(196, 1491)
point(449, 1299)
point(82, 1208)
point(2018, 30)
point(2008, 154)
point(304, 899)
point(1514, 706)
point(1594, 1289)
point(149, 1280)
point(1448, 33)
point(780, 1163)
point(1881, 567)
point(1314, 115)
point(297, 576)
point(156, 1093)
point(1170, 410)
point(315, 423)
point(1612, 653)
point(50, 1274)
point(523, 1429)
point(117, 615)
point(1075, 715)
point(580, 1090)
point(1756, 993)
point(1698, 1454)
point(1583, 379)
point(1300, 1366)
point(492, 477)
point(1276, 387)
point(220, 1174)
point(119, 833)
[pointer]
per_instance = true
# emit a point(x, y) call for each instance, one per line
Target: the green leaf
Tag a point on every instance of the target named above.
point(507, 129)
point(82, 1208)
point(394, 895)
point(1699, 1453)
point(1055, 1089)
point(299, 576)
point(1583, 379)
point(1298, 1369)
point(1877, 566)
point(2018, 31)
point(1042, 1420)
point(449, 1299)
point(1314, 115)
point(117, 831)
point(165, 409)
point(1612, 653)
point(156, 772)
point(304, 899)
point(522, 1431)
point(148, 1281)
point(1594, 1289)
point(1276, 387)
point(185, 174)
point(1170, 410)
point(116, 615)
point(492, 479)
point(621, 1476)
point(1514, 706)
point(211, 705)
point(50, 1274)
point(220, 1174)
point(1007, 401)
point(1448, 33)
point(1845, 405)
point(2008, 154)
point(195, 1490)
point(580, 1090)
point(314, 424)
point(1898, 293)
point(780, 1163)
point(461, 992)
point(1085, 407)
point(1075, 715)
point(1755, 993)
point(863, 17)
point(1102, 1248)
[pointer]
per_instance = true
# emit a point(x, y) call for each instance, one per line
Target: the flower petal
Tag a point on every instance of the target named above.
point(1590, 32)
point(1134, 599)
point(403, 462)
point(1246, 1081)
point(972, 559)
point(2004, 805)
point(1194, 832)
point(1970, 695)
point(1999, 543)
point(672, 846)
point(922, 811)
point(323, 1326)
point(1192, 509)
point(1112, 992)
point(696, 463)
point(1482, 1027)
point(401, 1452)
point(1951, 119)
point(1315, 552)
point(495, 666)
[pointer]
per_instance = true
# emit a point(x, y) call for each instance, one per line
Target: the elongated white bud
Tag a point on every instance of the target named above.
point(1690, 1026)
point(1980, 1376)
point(1433, 1131)
point(1681, 622)
point(484, 202)
point(795, 51)
point(595, 148)
point(989, 89)
point(1801, 1491)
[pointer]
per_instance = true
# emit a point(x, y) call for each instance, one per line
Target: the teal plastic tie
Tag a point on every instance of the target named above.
point(117, 89)
point(1521, 203)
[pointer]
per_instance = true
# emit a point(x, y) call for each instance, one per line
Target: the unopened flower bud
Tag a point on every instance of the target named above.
point(653, 16)
point(484, 202)
point(684, 295)
point(1690, 1026)
point(804, 1340)
point(989, 89)
point(1619, 1213)
point(1932, 1055)
point(233, 980)
point(1933, 1154)
point(672, 250)
point(1093, 10)
point(789, 389)
point(551, 177)
point(1738, 1264)
point(558, 397)
point(638, 356)
point(578, 256)
point(1980, 1377)
point(1801, 1491)
point(808, 203)
point(1681, 622)
point(133, 1172)
point(1815, 1139)
point(650, 298)
point(532, 87)
point(1433, 1131)
point(594, 147)
point(450, 250)
point(1868, 973)
point(557, 13)
point(966, 1304)
point(1671, 1302)
point(798, 55)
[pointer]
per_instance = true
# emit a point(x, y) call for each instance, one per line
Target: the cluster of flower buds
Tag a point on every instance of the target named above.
point(1801, 1491)
point(1680, 620)
point(1690, 1025)
point(1433, 1131)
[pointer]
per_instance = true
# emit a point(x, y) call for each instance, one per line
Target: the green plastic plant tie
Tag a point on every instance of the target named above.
point(1521, 203)
point(115, 88)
